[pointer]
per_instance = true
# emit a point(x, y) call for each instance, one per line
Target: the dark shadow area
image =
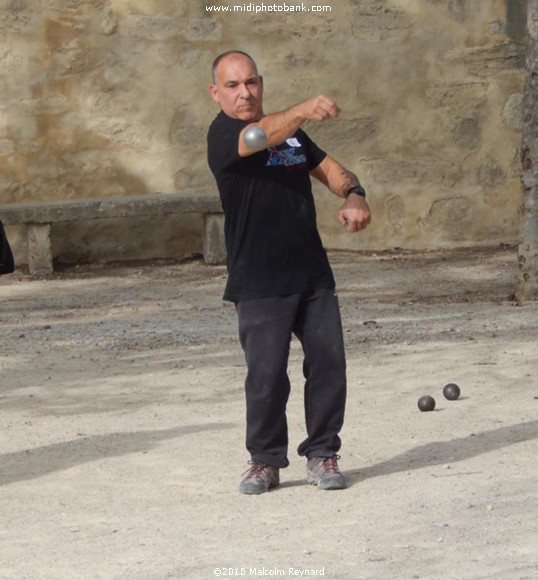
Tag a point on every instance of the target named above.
point(441, 452)
point(40, 461)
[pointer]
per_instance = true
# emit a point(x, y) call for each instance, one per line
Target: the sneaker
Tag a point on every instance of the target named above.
point(259, 478)
point(324, 472)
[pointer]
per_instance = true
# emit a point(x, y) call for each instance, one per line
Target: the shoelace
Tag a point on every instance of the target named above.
point(330, 464)
point(256, 469)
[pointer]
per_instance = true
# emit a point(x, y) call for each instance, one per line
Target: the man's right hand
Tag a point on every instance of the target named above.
point(319, 108)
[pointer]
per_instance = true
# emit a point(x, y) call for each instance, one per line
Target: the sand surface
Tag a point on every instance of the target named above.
point(122, 417)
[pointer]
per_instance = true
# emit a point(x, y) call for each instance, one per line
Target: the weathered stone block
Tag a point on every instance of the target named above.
point(513, 112)
point(345, 131)
point(214, 245)
point(185, 130)
point(413, 171)
point(375, 21)
point(449, 210)
point(395, 210)
point(19, 20)
point(72, 58)
point(490, 60)
point(491, 174)
point(39, 249)
point(457, 95)
point(149, 27)
point(467, 133)
point(161, 28)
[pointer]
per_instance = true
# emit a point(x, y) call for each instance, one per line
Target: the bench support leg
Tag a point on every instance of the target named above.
point(39, 249)
point(214, 247)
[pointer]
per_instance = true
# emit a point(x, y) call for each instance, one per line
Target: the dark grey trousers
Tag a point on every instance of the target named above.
point(266, 326)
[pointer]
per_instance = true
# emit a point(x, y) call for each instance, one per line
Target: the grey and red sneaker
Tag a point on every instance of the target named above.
point(324, 472)
point(259, 478)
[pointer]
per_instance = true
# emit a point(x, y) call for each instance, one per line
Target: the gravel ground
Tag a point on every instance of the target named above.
point(122, 414)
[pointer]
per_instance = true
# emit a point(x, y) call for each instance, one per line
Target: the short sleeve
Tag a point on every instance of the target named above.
point(222, 142)
point(314, 154)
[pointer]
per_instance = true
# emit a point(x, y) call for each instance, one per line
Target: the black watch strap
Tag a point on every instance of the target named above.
point(356, 189)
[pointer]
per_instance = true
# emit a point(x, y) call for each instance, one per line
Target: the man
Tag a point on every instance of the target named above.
point(279, 276)
point(7, 264)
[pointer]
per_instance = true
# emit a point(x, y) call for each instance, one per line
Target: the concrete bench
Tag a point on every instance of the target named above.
point(38, 217)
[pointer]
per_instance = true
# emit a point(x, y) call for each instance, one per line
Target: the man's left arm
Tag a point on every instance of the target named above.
point(355, 212)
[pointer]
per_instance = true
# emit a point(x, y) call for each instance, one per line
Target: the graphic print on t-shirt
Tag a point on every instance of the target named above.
point(286, 157)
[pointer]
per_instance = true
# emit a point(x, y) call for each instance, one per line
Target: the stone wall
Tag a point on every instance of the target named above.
point(109, 97)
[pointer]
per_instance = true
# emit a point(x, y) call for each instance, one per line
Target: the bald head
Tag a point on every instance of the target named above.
point(229, 53)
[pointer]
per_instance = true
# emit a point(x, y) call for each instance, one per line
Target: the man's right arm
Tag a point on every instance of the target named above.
point(280, 126)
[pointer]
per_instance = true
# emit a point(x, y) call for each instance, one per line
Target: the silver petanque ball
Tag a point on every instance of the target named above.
point(255, 138)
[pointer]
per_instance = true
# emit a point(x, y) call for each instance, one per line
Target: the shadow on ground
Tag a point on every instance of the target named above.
point(40, 461)
point(441, 452)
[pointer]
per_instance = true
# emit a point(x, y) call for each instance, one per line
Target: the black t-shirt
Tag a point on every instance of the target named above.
point(272, 240)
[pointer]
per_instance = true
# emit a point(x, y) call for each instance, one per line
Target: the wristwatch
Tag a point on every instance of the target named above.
point(356, 189)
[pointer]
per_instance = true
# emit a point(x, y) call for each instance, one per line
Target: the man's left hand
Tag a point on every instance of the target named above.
point(355, 213)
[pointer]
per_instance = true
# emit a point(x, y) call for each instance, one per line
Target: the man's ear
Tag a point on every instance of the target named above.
point(214, 92)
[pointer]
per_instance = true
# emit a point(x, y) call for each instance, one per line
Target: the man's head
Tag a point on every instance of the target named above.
point(237, 86)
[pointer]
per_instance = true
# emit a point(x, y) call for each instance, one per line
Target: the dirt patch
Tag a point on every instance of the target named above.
point(122, 413)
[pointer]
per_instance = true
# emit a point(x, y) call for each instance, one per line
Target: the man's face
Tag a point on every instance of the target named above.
point(238, 88)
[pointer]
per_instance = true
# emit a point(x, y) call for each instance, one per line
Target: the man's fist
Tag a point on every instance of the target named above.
point(320, 108)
